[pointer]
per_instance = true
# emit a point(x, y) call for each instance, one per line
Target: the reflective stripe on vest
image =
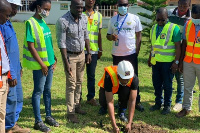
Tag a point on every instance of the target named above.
point(163, 47)
point(193, 44)
point(112, 71)
point(39, 44)
point(93, 30)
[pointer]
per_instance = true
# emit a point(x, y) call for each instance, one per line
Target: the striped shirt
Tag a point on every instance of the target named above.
point(71, 34)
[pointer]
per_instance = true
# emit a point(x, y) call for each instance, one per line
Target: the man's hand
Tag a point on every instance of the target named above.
point(116, 129)
point(88, 58)
point(114, 37)
point(180, 67)
point(128, 128)
point(21, 72)
point(99, 54)
point(149, 62)
point(69, 70)
point(174, 67)
point(12, 83)
point(45, 70)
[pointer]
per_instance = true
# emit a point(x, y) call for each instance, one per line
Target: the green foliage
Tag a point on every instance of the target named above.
point(152, 6)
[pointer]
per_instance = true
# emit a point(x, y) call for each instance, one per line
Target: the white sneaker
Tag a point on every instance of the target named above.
point(177, 107)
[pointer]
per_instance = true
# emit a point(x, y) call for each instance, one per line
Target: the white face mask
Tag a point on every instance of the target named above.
point(196, 21)
point(44, 13)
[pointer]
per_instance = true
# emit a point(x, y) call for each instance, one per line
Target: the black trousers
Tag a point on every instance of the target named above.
point(123, 97)
point(133, 59)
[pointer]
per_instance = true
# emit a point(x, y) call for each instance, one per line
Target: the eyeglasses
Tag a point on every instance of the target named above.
point(163, 20)
point(122, 5)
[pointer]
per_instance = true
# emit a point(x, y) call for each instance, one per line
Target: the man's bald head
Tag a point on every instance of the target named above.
point(76, 2)
point(5, 10)
point(162, 11)
point(122, 2)
point(76, 8)
point(4, 5)
point(161, 16)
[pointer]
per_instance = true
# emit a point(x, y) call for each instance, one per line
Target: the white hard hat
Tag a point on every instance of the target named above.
point(16, 2)
point(125, 70)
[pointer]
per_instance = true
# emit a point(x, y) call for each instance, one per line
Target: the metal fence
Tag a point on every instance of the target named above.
point(106, 11)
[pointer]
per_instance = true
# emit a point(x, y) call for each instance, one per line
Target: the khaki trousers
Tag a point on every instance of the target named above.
point(190, 72)
point(74, 83)
point(3, 98)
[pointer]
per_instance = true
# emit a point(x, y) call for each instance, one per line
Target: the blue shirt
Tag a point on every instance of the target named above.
point(197, 27)
point(12, 48)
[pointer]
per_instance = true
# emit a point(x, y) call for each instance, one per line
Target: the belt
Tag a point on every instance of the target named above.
point(77, 53)
point(5, 74)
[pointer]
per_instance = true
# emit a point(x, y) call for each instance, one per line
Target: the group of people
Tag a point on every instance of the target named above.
point(175, 50)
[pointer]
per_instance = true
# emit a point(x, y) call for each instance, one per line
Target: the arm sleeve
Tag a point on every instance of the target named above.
point(107, 83)
point(110, 31)
point(138, 27)
point(135, 83)
point(176, 34)
point(29, 36)
point(86, 36)
point(184, 31)
point(61, 33)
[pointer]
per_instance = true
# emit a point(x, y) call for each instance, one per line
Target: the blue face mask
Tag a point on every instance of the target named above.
point(196, 21)
point(122, 10)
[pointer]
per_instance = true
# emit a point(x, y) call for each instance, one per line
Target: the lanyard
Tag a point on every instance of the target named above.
point(158, 32)
point(121, 24)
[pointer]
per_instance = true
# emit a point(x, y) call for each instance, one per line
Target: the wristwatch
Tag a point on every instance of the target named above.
point(176, 62)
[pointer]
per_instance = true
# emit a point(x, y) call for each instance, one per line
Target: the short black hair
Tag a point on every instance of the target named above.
point(162, 10)
point(196, 9)
point(185, 1)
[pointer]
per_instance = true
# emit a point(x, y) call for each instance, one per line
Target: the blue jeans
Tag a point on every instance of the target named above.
point(42, 84)
point(14, 103)
point(180, 87)
point(90, 69)
point(162, 80)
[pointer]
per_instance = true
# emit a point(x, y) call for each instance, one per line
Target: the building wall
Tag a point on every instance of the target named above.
point(175, 2)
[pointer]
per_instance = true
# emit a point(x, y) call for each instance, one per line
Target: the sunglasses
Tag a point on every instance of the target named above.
point(122, 5)
point(163, 20)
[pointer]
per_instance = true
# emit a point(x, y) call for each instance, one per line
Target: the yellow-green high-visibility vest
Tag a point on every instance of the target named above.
point(39, 44)
point(163, 49)
point(93, 30)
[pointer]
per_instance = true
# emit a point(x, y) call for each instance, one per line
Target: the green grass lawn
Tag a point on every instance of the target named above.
point(89, 123)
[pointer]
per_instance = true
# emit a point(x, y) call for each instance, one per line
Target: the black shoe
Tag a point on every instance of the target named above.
point(42, 127)
point(103, 111)
point(139, 107)
point(51, 121)
point(166, 110)
point(155, 107)
point(122, 117)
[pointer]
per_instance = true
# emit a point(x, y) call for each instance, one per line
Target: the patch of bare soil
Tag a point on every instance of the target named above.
point(141, 128)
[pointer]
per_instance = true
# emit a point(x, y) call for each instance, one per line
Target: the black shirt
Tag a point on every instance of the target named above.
point(108, 83)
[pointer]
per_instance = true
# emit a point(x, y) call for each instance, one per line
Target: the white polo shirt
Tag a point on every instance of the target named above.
point(126, 37)
point(4, 57)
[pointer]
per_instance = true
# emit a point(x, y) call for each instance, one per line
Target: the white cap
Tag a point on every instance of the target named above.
point(16, 2)
point(125, 70)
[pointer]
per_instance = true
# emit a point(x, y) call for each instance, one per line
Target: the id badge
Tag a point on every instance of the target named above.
point(117, 42)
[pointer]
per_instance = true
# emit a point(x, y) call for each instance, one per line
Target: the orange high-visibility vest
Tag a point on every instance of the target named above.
point(112, 71)
point(192, 52)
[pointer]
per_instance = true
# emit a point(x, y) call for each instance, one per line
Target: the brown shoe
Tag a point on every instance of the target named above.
point(78, 110)
point(92, 102)
point(183, 113)
point(18, 129)
point(72, 118)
